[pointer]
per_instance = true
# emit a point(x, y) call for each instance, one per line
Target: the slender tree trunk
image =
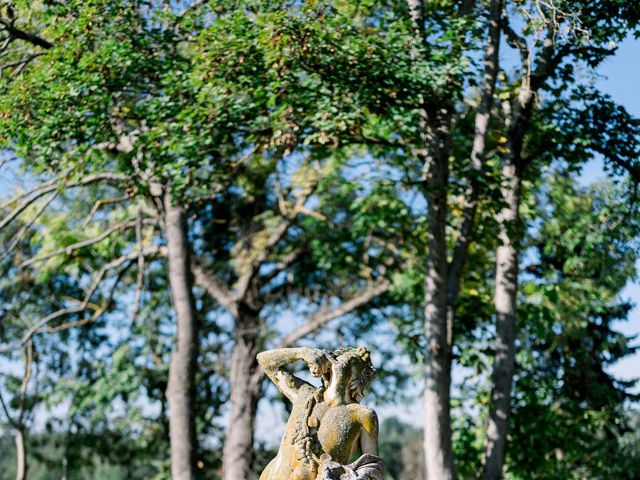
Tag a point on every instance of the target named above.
point(506, 285)
point(21, 456)
point(245, 381)
point(443, 280)
point(506, 290)
point(182, 370)
point(437, 445)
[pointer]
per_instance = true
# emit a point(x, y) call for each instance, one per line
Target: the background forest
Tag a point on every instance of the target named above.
point(187, 183)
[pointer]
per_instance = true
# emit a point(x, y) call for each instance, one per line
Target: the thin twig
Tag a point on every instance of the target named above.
point(86, 243)
point(23, 230)
point(82, 305)
point(50, 186)
point(99, 204)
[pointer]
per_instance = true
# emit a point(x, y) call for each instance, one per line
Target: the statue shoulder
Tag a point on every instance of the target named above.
point(367, 415)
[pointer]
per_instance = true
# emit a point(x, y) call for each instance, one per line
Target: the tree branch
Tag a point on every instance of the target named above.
point(244, 281)
point(100, 310)
point(516, 42)
point(50, 186)
point(482, 123)
point(208, 280)
point(18, 34)
point(19, 64)
point(99, 204)
point(282, 265)
point(86, 243)
point(82, 305)
point(320, 319)
point(6, 411)
point(20, 235)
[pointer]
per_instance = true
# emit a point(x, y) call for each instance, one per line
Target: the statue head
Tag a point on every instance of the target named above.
point(351, 374)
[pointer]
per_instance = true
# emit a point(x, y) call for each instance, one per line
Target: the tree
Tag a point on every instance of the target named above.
point(567, 406)
point(158, 182)
point(544, 66)
point(401, 446)
point(255, 157)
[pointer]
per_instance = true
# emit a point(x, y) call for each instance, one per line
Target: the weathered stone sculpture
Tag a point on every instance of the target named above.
point(327, 425)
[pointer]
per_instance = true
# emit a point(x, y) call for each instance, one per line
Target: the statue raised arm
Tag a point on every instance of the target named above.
point(327, 426)
point(273, 362)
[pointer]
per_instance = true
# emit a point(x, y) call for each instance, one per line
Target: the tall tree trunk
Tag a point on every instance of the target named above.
point(245, 381)
point(182, 370)
point(506, 283)
point(437, 445)
point(506, 290)
point(21, 456)
point(443, 279)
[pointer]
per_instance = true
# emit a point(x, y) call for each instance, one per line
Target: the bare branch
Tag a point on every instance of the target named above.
point(208, 280)
point(244, 281)
point(516, 42)
point(23, 230)
point(82, 305)
point(43, 188)
point(86, 243)
point(482, 123)
point(51, 186)
point(282, 265)
point(320, 319)
point(99, 204)
point(32, 38)
point(7, 160)
point(99, 311)
point(19, 65)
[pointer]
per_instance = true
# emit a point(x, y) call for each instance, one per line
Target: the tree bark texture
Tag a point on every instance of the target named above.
point(245, 384)
point(506, 284)
point(506, 290)
point(181, 390)
point(21, 456)
point(437, 444)
point(443, 279)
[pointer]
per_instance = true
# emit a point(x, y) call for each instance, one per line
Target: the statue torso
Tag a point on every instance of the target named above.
point(314, 428)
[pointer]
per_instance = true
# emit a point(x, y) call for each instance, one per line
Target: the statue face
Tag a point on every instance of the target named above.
point(351, 374)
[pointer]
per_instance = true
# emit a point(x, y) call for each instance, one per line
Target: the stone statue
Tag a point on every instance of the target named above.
point(327, 425)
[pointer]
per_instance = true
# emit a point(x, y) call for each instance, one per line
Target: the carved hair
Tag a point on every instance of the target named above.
point(359, 360)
